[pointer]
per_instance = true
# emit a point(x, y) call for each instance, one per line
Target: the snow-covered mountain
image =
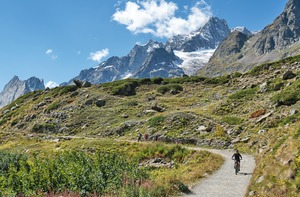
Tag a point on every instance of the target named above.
point(182, 54)
point(143, 61)
point(17, 87)
point(207, 37)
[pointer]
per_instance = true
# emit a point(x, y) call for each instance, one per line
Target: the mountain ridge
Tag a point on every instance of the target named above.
point(276, 41)
point(206, 37)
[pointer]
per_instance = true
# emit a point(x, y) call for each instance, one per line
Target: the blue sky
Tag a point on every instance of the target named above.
point(55, 39)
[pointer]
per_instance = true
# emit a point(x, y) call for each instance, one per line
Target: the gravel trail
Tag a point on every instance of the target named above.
point(224, 182)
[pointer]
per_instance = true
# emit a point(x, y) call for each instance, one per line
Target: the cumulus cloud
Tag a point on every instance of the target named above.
point(160, 18)
point(51, 84)
point(50, 53)
point(98, 55)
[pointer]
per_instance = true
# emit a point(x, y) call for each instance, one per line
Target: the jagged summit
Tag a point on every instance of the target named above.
point(159, 63)
point(16, 87)
point(276, 41)
point(207, 37)
point(243, 30)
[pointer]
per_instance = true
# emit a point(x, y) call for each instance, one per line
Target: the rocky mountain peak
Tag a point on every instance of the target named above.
point(16, 88)
point(160, 63)
point(215, 28)
point(284, 31)
point(243, 30)
point(276, 41)
point(207, 37)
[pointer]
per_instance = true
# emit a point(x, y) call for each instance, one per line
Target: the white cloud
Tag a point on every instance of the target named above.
point(159, 18)
point(49, 52)
point(98, 55)
point(51, 84)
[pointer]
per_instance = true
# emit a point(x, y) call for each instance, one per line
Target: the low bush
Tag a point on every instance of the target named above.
point(217, 80)
point(175, 88)
point(288, 96)
point(67, 89)
point(232, 120)
point(156, 121)
point(44, 128)
point(157, 80)
point(53, 106)
point(244, 94)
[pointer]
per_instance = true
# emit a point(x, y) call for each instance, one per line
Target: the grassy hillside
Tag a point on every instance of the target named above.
point(257, 112)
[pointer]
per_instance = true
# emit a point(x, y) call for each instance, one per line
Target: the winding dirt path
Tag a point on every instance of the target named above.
point(224, 182)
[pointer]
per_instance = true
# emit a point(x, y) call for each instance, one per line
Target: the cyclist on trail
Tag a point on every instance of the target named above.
point(139, 137)
point(237, 159)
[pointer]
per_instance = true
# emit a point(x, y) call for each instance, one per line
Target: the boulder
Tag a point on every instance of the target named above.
point(288, 75)
point(263, 87)
point(201, 128)
point(89, 102)
point(78, 83)
point(293, 111)
point(100, 103)
point(124, 116)
point(86, 84)
point(157, 108)
point(263, 117)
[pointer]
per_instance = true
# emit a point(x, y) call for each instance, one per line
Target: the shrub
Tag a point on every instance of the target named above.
point(258, 69)
point(157, 80)
point(126, 89)
point(67, 89)
point(289, 95)
point(170, 87)
point(242, 94)
point(232, 120)
point(290, 119)
point(236, 74)
point(44, 128)
point(133, 103)
point(145, 81)
point(217, 80)
point(52, 107)
point(156, 121)
point(220, 131)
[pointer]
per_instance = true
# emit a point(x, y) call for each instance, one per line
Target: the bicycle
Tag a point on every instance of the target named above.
point(237, 166)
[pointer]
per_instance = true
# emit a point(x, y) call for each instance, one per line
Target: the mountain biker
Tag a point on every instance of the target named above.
point(237, 159)
point(139, 137)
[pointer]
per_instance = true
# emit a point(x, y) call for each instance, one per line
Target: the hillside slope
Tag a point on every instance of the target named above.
point(257, 112)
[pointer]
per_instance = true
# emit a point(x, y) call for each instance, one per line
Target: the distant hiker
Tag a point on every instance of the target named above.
point(146, 136)
point(237, 157)
point(139, 137)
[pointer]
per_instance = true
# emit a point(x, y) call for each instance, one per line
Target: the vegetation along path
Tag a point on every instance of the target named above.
point(224, 182)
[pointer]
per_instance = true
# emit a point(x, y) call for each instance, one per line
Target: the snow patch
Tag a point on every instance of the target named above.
point(193, 61)
point(127, 75)
point(151, 48)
